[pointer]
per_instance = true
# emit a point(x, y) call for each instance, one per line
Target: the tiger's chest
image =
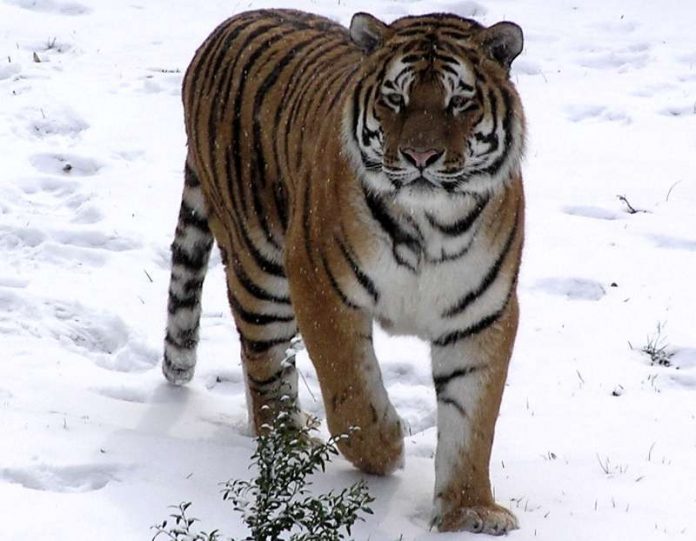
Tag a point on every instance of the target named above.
point(420, 271)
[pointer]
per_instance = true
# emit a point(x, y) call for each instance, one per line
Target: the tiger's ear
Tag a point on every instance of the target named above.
point(367, 32)
point(503, 42)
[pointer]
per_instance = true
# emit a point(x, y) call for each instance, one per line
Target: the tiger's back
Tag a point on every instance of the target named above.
point(256, 94)
point(354, 175)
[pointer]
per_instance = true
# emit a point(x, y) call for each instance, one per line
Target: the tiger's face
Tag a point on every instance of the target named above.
point(435, 114)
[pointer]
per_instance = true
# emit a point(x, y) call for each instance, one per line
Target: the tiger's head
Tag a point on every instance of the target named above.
point(434, 113)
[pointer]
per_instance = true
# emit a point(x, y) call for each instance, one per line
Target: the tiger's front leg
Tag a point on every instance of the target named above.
point(338, 337)
point(469, 376)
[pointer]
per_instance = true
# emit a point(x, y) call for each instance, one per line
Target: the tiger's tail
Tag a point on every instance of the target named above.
point(193, 242)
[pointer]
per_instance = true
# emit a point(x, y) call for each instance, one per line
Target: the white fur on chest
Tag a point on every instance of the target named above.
point(413, 302)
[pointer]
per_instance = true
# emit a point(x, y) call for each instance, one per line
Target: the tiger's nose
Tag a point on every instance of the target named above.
point(421, 158)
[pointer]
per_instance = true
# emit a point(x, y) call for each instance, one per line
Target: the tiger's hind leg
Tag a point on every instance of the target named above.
point(265, 320)
point(193, 242)
point(271, 384)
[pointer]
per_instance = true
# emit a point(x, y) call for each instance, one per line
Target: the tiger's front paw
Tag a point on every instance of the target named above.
point(490, 519)
point(377, 448)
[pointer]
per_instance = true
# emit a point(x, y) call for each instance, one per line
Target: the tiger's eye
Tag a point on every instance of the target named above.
point(395, 100)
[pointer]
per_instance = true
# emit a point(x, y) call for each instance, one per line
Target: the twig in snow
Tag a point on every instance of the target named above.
point(657, 348)
point(582, 380)
point(629, 208)
point(669, 192)
point(610, 469)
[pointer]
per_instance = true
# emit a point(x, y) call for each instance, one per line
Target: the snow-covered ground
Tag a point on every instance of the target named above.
point(593, 441)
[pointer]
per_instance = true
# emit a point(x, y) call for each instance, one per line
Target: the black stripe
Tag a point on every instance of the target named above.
point(190, 177)
point(438, 19)
point(289, 92)
point(404, 71)
point(186, 339)
point(362, 278)
point(442, 381)
point(461, 226)
point(255, 318)
point(445, 257)
point(413, 57)
point(450, 70)
point(445, 59)
point(253, 288)
point(192, 261)
point(491, 138)
point(192, 286)
point(218, 101)
point(507, 128)
point(190, 217)
point(413, 32)
point(356, 112)
point(480, 326)
point(280, 200)
point(306, 210)
point(336, 287)
point(307, 98)
point(296, 97)
point(339, 94)
point(224, 97)
point(389, 225)
point(455, 34)
point(385, 220)
point(446, 400)
point(490, 277)
point(176, 303)
point(261, 163)
point(265, 382)
point(212, 46)
point(304, 80)
point(236, 134)
point(461, 85)
point(365, 109)
point(262, 346)
point(428, 54)
point(232, 75)
point(265, 264)
point(452, 337)
point(374, 165)
point(175, 371)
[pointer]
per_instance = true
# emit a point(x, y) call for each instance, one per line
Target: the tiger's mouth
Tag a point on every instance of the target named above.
point(426, 181)
point(422, 180)
point(421, 185)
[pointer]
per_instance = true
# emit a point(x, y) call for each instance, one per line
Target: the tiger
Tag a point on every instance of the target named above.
point(352, 176)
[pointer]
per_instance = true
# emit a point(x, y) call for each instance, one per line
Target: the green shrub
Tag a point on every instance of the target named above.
point(277, 504)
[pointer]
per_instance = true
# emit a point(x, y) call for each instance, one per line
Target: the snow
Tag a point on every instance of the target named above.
point(95, 445)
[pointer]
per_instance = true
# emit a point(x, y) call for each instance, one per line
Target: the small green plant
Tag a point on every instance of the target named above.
point(276, 504)
point(179, 527)
point(656, 348)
